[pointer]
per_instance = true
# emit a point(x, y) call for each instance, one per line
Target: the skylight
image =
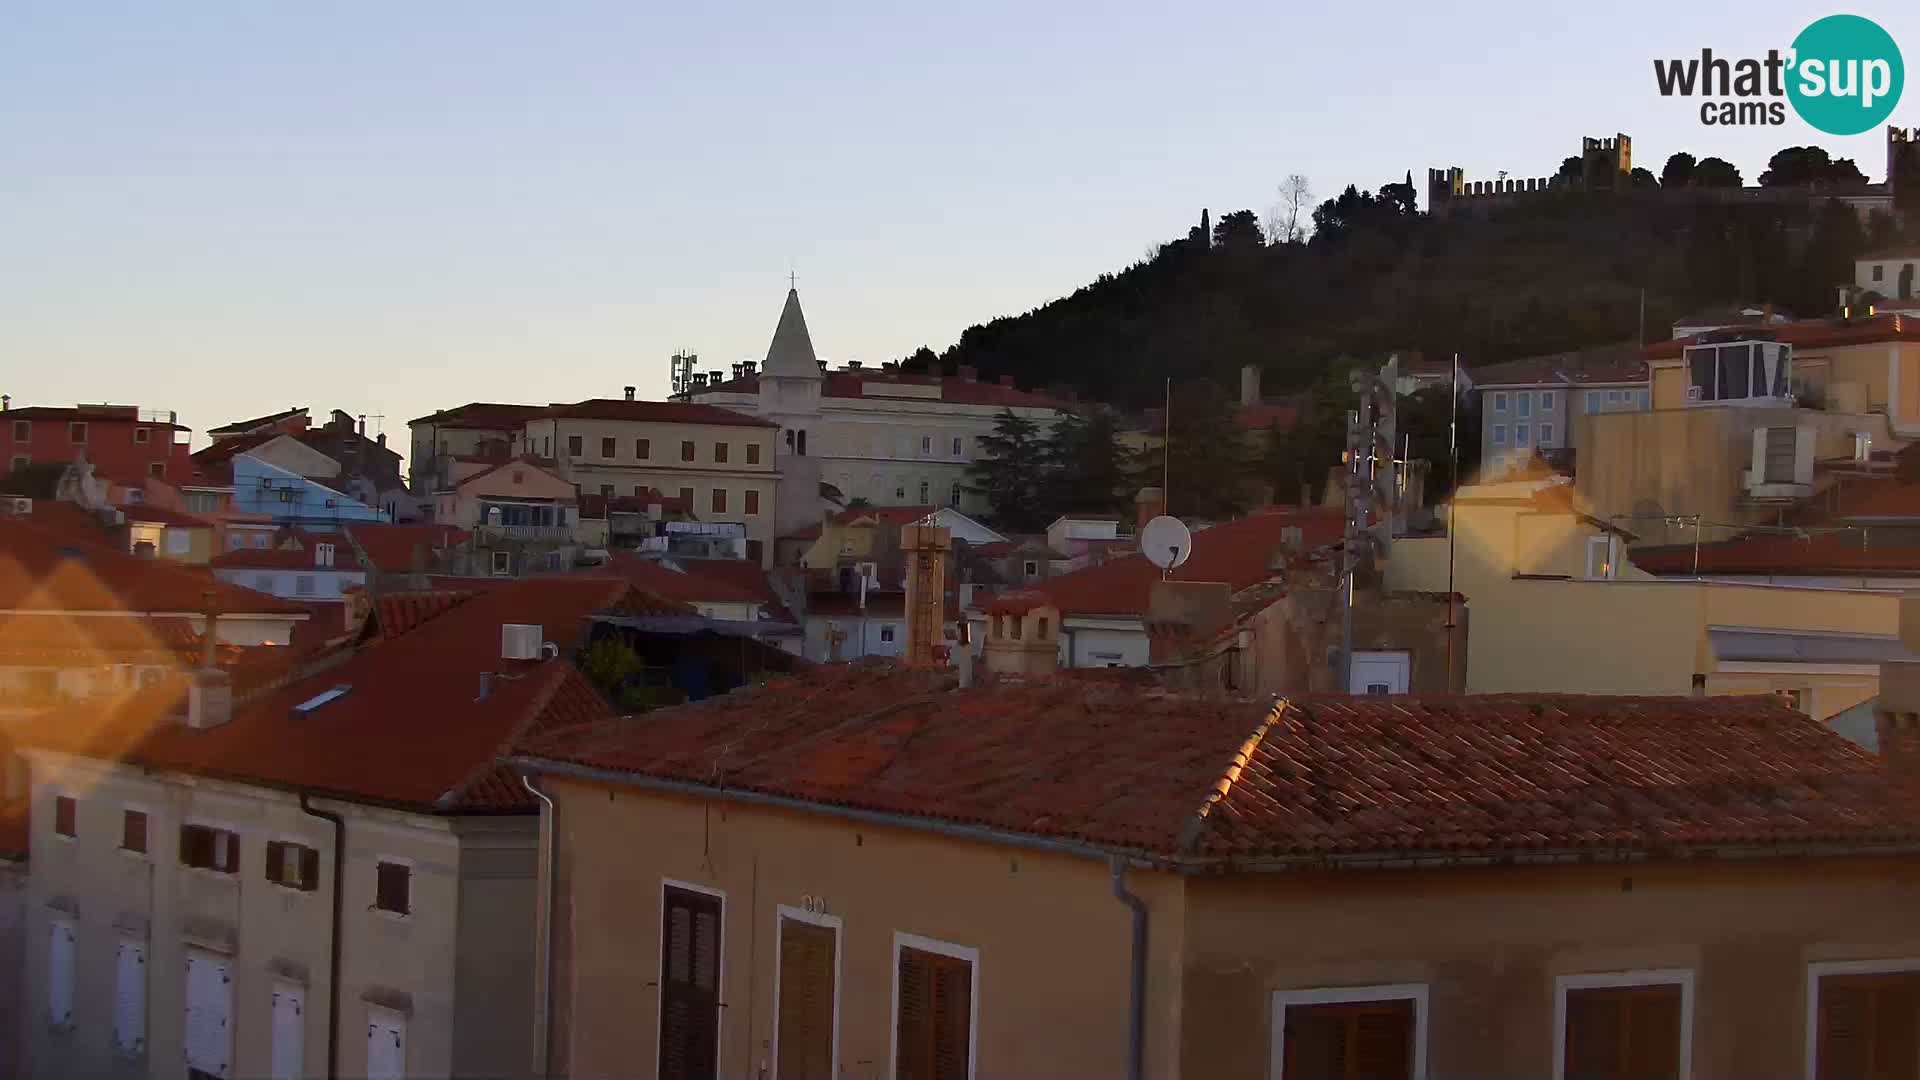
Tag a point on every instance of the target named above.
point(313, 703)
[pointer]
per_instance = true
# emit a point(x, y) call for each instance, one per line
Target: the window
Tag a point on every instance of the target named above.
point(924, 488)
point(1879, 271)
point(1356, 1033)
point(207, 848)
point(60, 973)
point(953, 495)
point(642, 449)
point(263, 582)
point(719, 500)
point(1633, 1025)
point(140, 436)
point(720, 453)
point(393, 887)
point(1500, 402)
point(686, 497)
point(179, 542)
point(1522, 434)
point(686, 450)
point(1546, 400)
point(805, 990)
point(576, 445)
point(801, 446)
point(956, 446)
point(1499, 435)
point(935, 1009)
point(77, 433)
point(1645, 398)
point(1523, 401)
point(1546, 433)
point(386, 1045)
point(753, 453)
point(1030, 568)
point(303, 585)
point(690, 925)
point(502, 563)
point(753, 502)
point(755, 550)
point(1863, 1016)
point(65, 811)
point(1593, 402)
point(130, 997)
point(609, 447)
point(553, 562)
point(289, 1032)
point(926, 444)
point(209, 1034)
point(886, 632)
point(20, 461)
point(292, 865)
point(606, 491)
point(23, 431)
point(900, 493)
point(133, 831)
point(1613, 397)
point(1600, 558)
point(1040, 628)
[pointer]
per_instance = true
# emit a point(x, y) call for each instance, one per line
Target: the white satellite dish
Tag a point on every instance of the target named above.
point(1166, 542)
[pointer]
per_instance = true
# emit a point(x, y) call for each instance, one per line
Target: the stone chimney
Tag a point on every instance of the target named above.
point(629, 392)
point(1896, 715)
point(926, 548)
point(1183, 616)
point(209, 690)
point(1249, 385)
point(1150, 503)
point(1023, 634)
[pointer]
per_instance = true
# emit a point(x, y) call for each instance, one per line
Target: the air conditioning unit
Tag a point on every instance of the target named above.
point(20, 505)
point(521, 641)
point(1693, 393)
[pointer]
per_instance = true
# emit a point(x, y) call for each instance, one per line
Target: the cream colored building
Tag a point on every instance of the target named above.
point(1558, 607)
point(878, 434)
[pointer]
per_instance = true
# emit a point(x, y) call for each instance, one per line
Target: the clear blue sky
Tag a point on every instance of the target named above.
point(228, 208)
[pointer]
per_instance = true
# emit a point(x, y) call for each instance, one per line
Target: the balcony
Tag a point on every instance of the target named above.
point(552, 534)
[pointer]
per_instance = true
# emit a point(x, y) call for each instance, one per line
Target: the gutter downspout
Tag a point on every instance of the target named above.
point(1137, 988)
point(333, 958)
point(548, 830)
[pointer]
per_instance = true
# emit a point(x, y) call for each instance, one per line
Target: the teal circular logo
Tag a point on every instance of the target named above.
point(1846, 75)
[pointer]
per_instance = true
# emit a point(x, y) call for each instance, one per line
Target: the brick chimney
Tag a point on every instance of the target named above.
point(926, 548)
point(1023, 634)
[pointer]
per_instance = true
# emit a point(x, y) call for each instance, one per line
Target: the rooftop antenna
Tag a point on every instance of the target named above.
point(1453, 532)
point(1166, 452)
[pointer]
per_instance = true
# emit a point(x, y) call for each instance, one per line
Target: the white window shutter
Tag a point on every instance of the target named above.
point(130, 998)
point(60, 973)
point(387, 1048)
point(209, 1013)
point(289, 1033)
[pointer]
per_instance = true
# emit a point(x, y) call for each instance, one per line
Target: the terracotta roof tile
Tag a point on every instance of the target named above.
point(689, 588)
point(345, 559)
point(482, 415)
point(398, 612)
point(245, 425)
point(390, 547)
point(1809, 334)
point(655, 412)
point(43, 570)
point(160, 515)
point(1221, 781)
point(855, 384)
point(1828, 553)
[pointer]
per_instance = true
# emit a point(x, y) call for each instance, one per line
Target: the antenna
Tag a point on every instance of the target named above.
point(1166, 543)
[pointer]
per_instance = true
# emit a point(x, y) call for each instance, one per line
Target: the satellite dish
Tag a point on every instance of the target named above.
point(1166, 542)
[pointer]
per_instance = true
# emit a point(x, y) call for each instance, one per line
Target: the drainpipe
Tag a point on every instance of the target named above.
point(333, 960)
point(1137, 989)
point(547, 823)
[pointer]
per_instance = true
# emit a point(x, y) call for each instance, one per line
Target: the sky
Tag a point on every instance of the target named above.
point(230, 208)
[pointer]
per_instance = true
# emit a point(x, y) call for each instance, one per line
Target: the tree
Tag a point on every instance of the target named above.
point(1714, 173)
point(1283, 224)
point(1011, 473)
point(1809, 166)
point(1571, 169)
point(1679, 171)
point(1239, 231)
point(1644, 180)
point(1088, 471)
point(1205, 455)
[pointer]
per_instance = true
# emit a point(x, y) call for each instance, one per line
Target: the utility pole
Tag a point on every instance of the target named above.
point(1372, 490)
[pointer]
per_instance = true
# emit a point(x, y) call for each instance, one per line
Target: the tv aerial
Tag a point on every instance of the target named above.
point(1166, 542)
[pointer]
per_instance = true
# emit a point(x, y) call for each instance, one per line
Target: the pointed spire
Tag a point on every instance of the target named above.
point(791, 353)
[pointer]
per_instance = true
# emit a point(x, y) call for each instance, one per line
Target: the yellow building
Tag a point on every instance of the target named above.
point(1558, 607)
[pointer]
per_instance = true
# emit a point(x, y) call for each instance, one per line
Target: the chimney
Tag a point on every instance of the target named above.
point(853, 365)
point(1006, 381)
point(1023, 634)
point(362, 430)
point(1896, 714)
point(209, 690)
point(1249, 385)
point(749, 367)
point(1181, 615)
point(380, 439)
point(1150, 503)
point(6, 402)
point(926, 548)
point(629, 392)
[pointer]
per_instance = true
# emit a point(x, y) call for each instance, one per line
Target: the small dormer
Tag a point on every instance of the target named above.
point(1023, 634)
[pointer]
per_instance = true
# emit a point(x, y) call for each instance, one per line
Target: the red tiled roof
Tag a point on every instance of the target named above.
point(99, 640)
point(245, 425)
point(1233, 783)
point(1617, 363)
point(293, 558)
point(160, 515)
point(93, 414)
point(839, 605)
point(413, 730)
point(390, 547)
point(1265, 415)
point(227, 449)
point(482, 415)
point(853, 384)
point(1238, 553)
point(673, 584)
point(1825, 553)
point(398, 612)
point(744, 574)
point(43, 570)
point(654, 412)
point(1018, 602)
point(1810, 334)
point(1875, 499)
point(1897, 251)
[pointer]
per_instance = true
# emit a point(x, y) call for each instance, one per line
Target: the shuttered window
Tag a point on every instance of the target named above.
point(1359, 1040)
point(1623, 1033)
point(393, 888)
point(386, 1047)
point(1868, 1027)
point(933, 1036)
point(295, 866)
point(209, 848)
point(65, 814)
point(289, 1033)
point(806, 1007)
point(133, 831)
point(60, 974)
point(689, 985)
point(130, 997)
point(209, 1030)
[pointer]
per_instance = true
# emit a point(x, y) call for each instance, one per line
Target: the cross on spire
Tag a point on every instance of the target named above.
point(793, 280)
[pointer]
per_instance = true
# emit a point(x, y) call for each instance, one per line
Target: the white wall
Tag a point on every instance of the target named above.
point(327, 584)
point(1098, 643)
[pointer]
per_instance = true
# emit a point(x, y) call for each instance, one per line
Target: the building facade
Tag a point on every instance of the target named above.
point(125, 442)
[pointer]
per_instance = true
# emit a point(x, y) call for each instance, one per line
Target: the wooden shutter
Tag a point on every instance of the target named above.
point(806, 1016)
point(933, 1036)
point(209, 1012)
point(309, 868)
point(1867, 1027)
point(133, 831)
point(289, 1033)
point(130, 997)
point(689, 985)
point(1623, 1033)
point(60, 973)
point(392, 887)
point(1363, 1040)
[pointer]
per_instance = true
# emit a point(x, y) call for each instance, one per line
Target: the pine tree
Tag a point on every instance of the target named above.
point(1206, 455)
point(1012, 473)
point(1088, 469)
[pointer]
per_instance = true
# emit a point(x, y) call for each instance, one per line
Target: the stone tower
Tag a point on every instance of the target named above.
point(790, 385)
